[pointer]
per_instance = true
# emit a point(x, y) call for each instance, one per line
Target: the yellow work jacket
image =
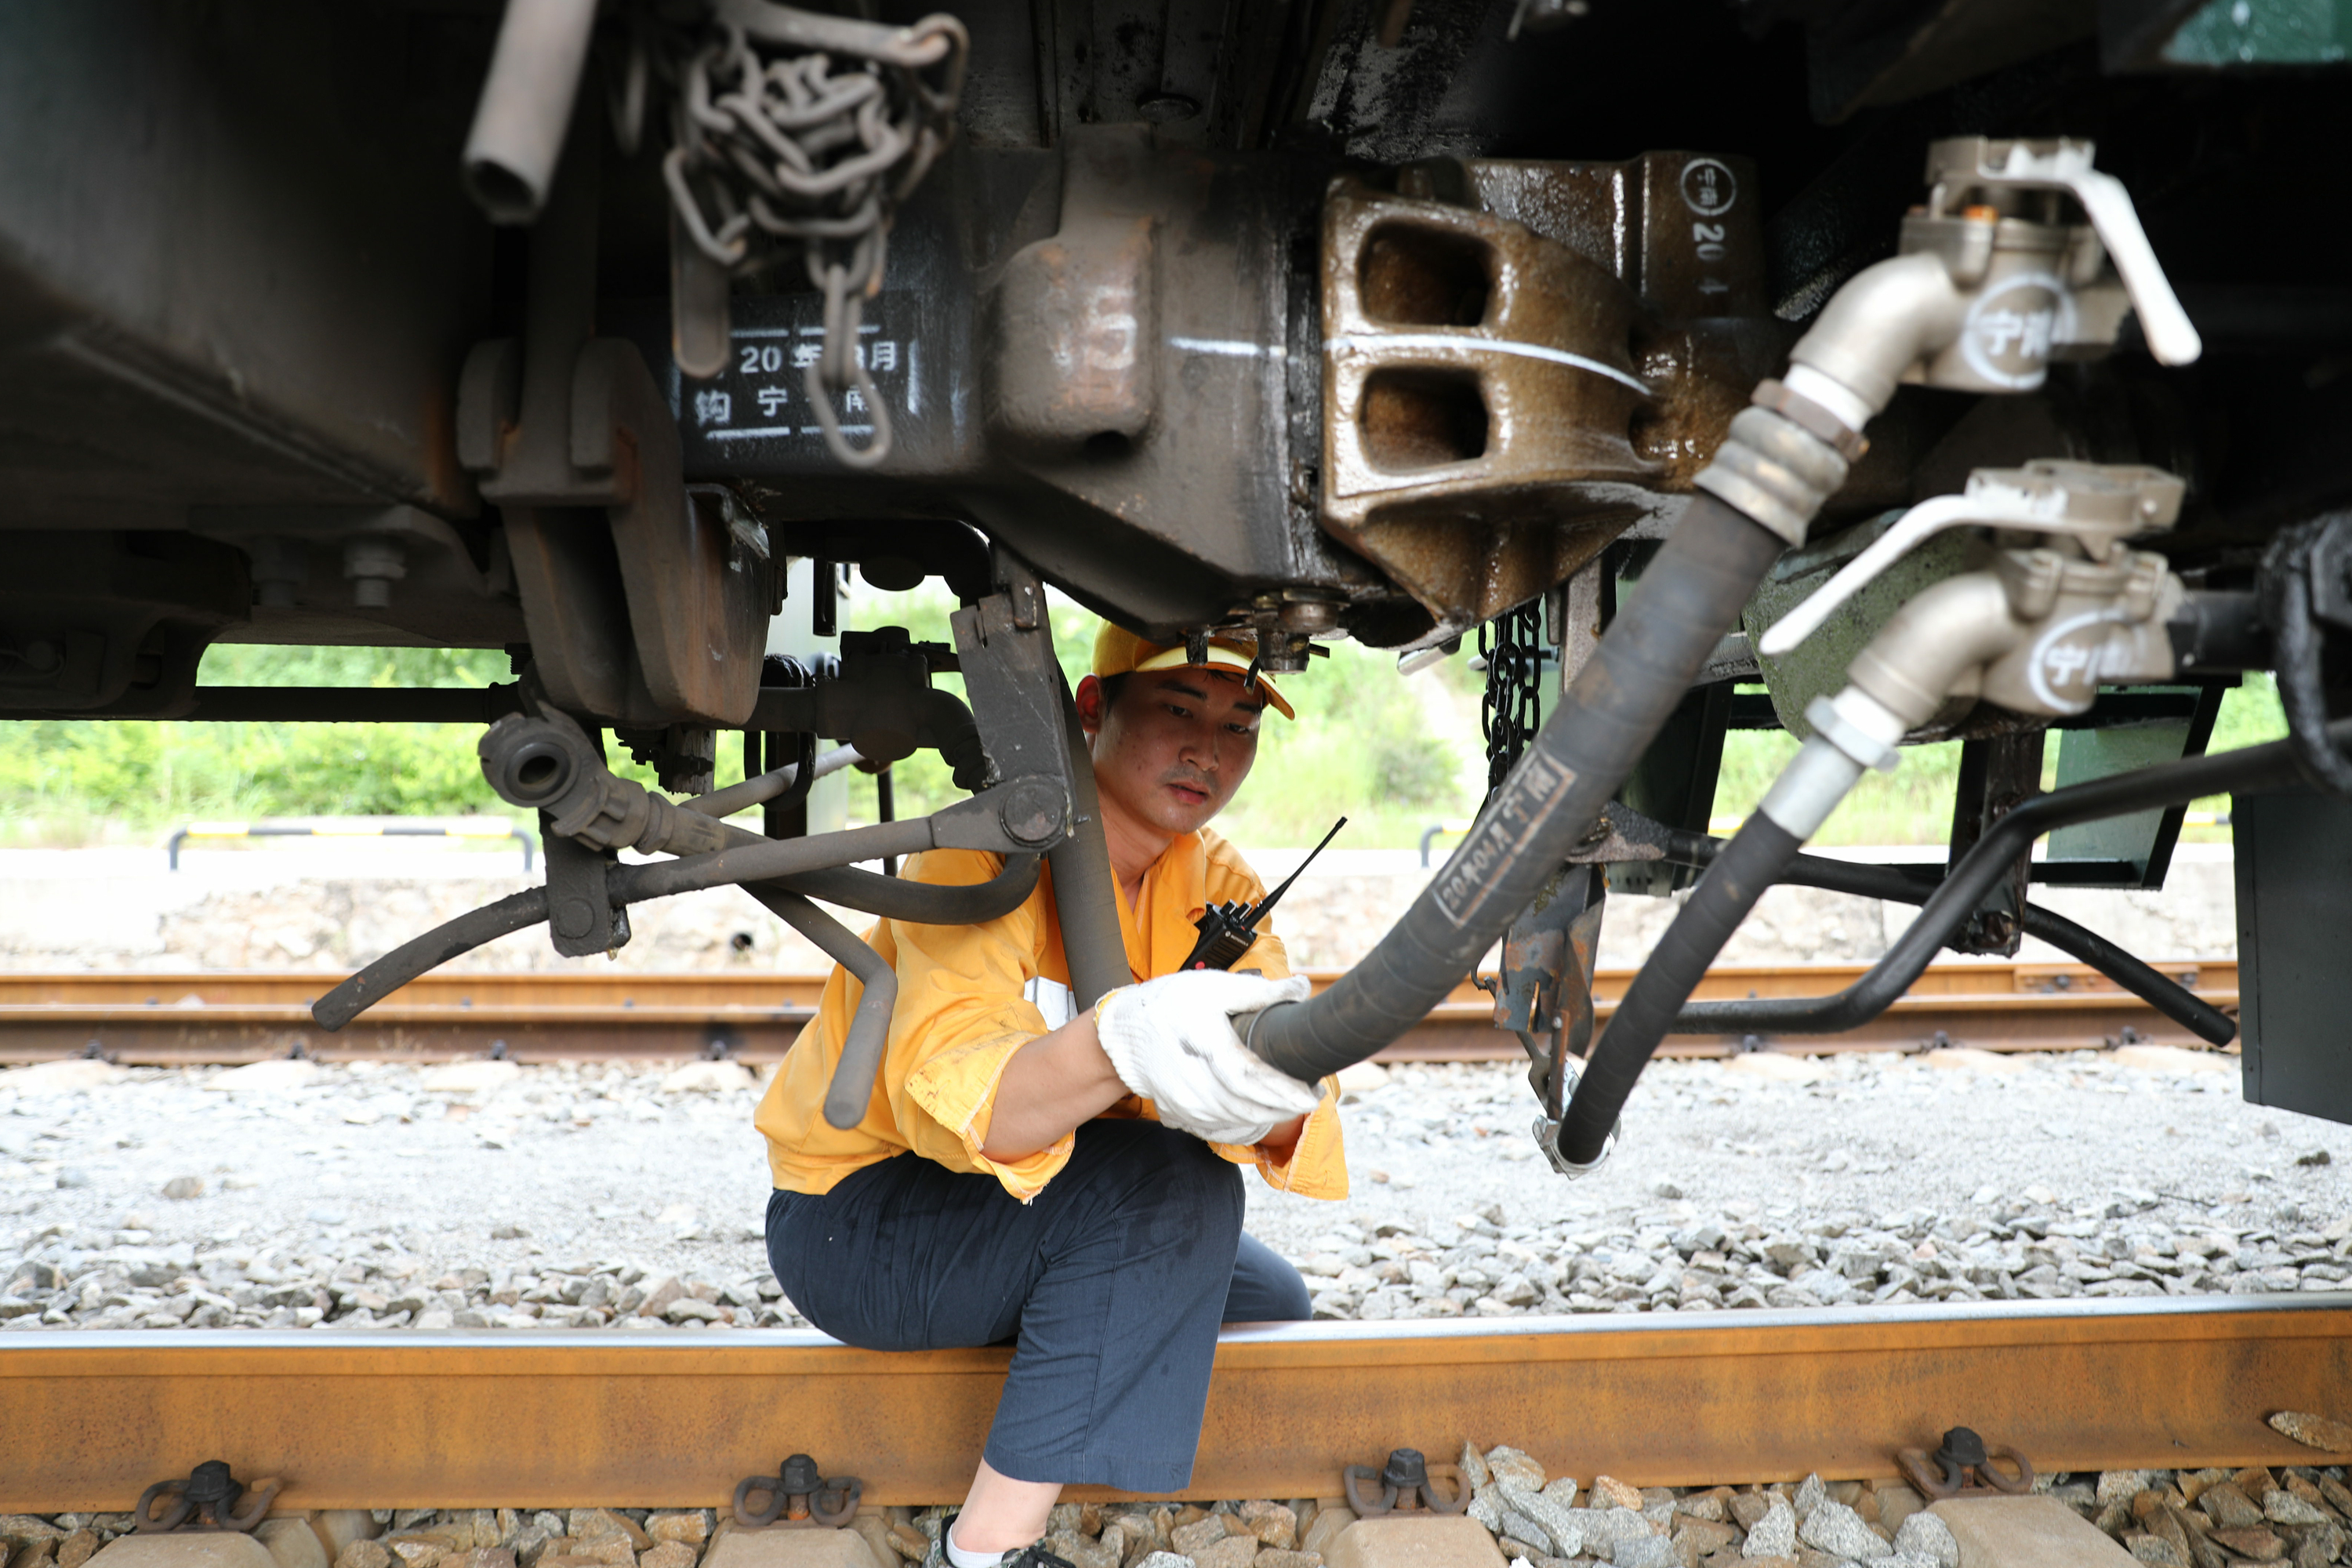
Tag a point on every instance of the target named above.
point(965, 1004)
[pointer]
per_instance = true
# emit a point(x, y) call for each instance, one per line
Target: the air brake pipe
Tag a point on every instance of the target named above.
point(2249, 770)
point(1617, 1061)
point(1784, 455)
point(763, 787)
point(821, 860)
point(1893, 885)
point(1648, 658)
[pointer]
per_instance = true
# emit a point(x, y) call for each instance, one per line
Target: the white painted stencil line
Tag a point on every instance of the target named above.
point(1229, 348)
point(745, 435)
point(1369, 340)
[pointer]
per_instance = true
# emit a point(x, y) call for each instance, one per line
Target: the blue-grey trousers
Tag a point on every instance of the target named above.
point(1110, 1283)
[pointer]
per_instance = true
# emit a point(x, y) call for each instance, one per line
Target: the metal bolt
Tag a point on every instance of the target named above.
point(374, 566)
point(1033, 811)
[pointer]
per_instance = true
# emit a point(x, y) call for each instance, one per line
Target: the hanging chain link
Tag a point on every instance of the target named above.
point(1512, 709)
point(793, 134)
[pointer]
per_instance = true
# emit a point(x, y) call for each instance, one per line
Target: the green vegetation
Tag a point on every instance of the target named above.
point(1914, 803)
point(1393, 755)
point(66, 782)
point(1387, 753)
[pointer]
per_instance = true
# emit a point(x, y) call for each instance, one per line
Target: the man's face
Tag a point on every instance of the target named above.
point(1176, 745)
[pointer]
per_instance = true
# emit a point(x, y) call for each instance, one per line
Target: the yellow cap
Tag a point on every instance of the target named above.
point(1118, 651)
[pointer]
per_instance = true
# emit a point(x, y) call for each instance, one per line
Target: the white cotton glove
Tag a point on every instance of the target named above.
point(1172, 1040)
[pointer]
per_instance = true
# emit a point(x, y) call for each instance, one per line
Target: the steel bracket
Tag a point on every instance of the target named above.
point(582, 918)
point(1006, 649)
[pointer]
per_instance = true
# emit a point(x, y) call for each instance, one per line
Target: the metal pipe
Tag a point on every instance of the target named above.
point(767, 860)
point(1086, 898)
point(2250, 769)
point(526, 106)
point(1893, 885)
point(1763, 850)
point(851, 1088)
point(760, 788)
point(885, 809)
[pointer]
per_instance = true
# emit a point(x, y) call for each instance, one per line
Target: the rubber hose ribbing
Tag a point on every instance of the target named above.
point(1650, 655)
point(1756, 857)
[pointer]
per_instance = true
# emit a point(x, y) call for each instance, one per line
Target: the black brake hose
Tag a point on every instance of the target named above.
point(516, 912)
point(1894, 885)
point(917, 903)
point(1646, 660)
point(761, 862)
point(1617, 1060)
point(1754, 859)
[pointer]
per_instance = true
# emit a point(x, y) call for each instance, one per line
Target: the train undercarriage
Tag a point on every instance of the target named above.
point(1951, 370)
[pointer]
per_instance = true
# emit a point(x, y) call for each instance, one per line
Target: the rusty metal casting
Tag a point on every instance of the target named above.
point(799, 1497)
point(1963, 1467)
point(1406, 1483)
point(210, 1496)
point(1514, 374)
point(1478, 393)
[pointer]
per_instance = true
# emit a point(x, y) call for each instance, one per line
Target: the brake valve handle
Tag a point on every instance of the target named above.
point(2048, 251)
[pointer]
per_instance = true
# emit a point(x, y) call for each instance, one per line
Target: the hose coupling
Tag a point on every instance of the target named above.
point(1775, 469)
point(1830, 722)
point(1547, 1132)
point(549, 763)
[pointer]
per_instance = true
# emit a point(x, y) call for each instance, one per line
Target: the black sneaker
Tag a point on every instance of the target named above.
point(1033, 1555)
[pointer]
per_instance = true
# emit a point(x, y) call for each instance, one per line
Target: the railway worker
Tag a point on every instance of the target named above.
point(1069, 1182)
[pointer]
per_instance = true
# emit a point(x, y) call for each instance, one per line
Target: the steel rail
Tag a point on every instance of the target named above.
point(189, 1018)
point(569, 1418)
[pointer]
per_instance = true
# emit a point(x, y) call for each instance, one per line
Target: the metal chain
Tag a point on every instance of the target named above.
point(793, 134)
point(1512, 709)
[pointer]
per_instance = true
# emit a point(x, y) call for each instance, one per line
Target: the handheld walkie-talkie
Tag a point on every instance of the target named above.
point(1227, 930)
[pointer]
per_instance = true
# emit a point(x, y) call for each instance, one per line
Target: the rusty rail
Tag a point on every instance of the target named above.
point(167, 1018)
point(672, 1420)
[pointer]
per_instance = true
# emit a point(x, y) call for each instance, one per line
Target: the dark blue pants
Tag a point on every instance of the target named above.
point(1110, 1283)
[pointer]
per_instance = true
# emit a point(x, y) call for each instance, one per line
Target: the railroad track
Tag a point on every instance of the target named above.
point(182, 1018)
point(565, 1418)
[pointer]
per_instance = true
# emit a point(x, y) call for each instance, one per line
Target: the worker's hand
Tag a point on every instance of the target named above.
point(1172, 1040)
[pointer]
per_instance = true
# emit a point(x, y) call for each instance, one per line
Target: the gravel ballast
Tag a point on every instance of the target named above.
point(2185, 1519)
point(291, 1195)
